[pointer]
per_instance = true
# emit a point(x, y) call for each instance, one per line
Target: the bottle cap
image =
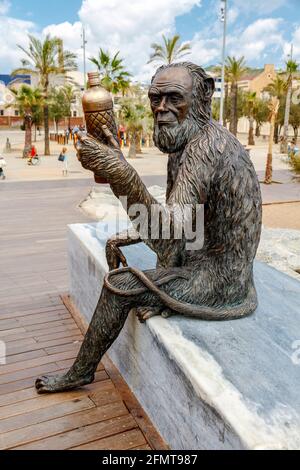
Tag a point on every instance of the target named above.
point(94, 79)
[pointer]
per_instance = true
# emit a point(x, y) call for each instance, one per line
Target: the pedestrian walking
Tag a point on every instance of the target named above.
point(63, 157)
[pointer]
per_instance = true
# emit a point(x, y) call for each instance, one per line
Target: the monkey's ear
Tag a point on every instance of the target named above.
point(209, 87)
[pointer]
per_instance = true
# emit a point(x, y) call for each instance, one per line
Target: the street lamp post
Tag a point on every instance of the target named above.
point(84, 43)
point(224, 20)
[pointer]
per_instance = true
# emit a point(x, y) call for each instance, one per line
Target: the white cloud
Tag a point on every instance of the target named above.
point(257, 38)
point(13, 32)
point(132, 25)
point(4, 7)
point(296, 46)
point(204, 50)
point(129, 26)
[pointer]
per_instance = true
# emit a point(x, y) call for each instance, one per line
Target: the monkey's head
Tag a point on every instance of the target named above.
point(180, 97)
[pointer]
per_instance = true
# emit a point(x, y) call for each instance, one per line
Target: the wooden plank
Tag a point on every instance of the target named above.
point(38, 361)
point(63, 348)
point(83, 435)
point(79, 423)
point(33, 311)
point(42, 401)
point(122, 441)
point(17, 358)
point(10, 350)
point(100, 385)
point(19, 385)
point(32, 320)
point(63, 334)
point(24, 374)
point(53, 324)
point(39, 334)
point(29, 382)
point(45, 414)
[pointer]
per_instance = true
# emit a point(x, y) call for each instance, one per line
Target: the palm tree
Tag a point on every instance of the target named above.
point(114, 77)
point(58, 106)
point(235, 68)
point(170, 51)
point(249, 104)
point(291, 68)
point(133, 114)
point(29, 102)
point(277, 88)
point(261, 113)
point(218, 70)
point(46, 58)
point(69, 95)
point(274, 106)
point(295, 119)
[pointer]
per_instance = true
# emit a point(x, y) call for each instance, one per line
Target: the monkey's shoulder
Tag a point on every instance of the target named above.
point(216, 145)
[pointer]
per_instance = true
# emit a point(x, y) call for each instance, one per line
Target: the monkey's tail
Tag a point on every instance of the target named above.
point(200, 311)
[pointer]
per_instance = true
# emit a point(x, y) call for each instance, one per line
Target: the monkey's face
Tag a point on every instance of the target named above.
point(170, 97)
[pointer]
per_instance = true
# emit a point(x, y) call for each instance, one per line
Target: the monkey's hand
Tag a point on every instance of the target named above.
point(114, 255)
point(97, 157)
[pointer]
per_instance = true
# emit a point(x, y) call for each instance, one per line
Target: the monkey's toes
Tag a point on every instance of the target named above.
point(144, 313)
point(60, 383)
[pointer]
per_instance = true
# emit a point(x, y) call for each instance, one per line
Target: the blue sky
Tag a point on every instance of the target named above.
point(260, 30)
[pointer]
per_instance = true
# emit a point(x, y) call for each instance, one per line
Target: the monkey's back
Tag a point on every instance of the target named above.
point(232, 212)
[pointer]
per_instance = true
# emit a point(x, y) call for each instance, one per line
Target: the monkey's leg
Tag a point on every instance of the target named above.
point(107, 322)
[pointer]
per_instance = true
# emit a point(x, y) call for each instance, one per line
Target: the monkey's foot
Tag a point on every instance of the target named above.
point(60, 383)
point(144, 313)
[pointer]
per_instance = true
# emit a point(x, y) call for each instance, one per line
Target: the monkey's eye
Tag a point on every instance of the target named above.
point(155, 100)
point(175, 99)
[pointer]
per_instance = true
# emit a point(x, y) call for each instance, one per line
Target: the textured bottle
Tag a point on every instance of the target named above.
point(97, 105)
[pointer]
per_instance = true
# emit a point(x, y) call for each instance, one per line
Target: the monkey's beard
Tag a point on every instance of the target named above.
point(173, 139)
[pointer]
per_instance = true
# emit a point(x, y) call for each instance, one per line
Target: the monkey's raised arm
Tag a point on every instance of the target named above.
point(125, 181)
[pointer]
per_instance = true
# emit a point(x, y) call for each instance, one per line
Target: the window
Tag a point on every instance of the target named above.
point(16, 112)
point(74, 113)
point(1, 112)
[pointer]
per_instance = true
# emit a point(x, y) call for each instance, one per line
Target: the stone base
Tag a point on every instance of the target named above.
point(205, 385)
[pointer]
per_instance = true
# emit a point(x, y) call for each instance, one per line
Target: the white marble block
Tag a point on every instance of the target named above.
point(205, 385)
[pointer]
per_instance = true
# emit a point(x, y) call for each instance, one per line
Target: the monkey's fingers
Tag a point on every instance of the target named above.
point(110, 138)
point(118, 253)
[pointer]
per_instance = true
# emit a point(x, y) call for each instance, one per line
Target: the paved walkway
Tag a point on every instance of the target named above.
point(42, 337)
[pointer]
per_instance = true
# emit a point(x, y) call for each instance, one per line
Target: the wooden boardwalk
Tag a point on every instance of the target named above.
point(41, 336)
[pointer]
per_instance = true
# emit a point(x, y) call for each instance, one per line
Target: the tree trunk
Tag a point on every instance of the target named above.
point(251, 132)
point(276, 133)
point(225, 104)
point(283, 145)
point(233, 111)
point(132, 147)
point(257, 130)
point(138, 143)
point(269, 168)
point(46, 129)
point(34, 132)
point(296, 133)
point(28, 138)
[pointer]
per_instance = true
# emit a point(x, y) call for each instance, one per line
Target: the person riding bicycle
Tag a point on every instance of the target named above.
point(33, 154)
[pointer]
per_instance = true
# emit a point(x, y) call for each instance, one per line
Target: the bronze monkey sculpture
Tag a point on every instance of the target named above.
point(207, 165)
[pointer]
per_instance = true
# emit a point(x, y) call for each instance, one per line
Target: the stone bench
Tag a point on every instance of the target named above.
point(205, 385)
